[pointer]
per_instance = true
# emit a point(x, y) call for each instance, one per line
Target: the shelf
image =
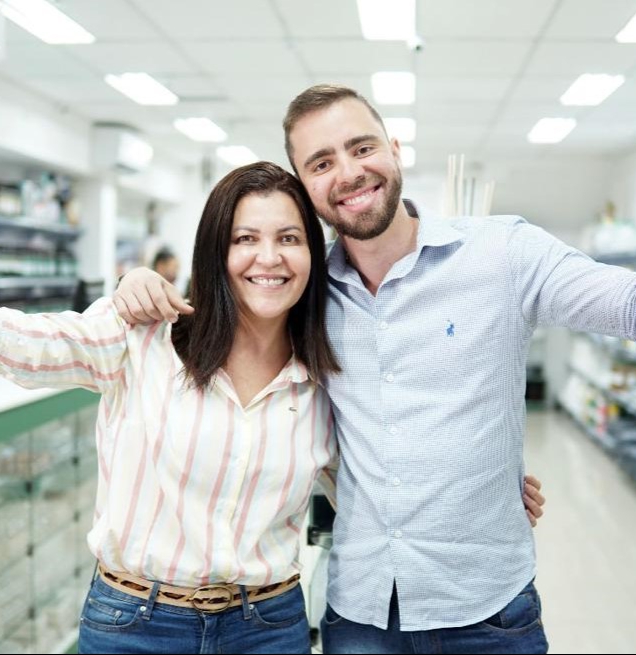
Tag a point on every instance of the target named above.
point(617, 259)
point(16, 282)
point(606, 442)
point(614, 396)
point(32, 225)
point(612, 346)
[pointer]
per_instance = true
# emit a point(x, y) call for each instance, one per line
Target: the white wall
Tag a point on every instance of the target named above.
point(561, 195)
point(623, 186)
point(179, 223)
point(42, 132)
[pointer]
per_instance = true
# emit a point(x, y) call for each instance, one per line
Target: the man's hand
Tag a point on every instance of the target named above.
point(143, 296)
point(532, 499)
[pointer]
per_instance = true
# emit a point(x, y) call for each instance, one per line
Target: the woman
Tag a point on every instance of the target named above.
point(210, 432)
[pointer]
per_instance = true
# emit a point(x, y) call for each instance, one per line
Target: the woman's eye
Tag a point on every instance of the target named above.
point(244, 238)
point(290, 238)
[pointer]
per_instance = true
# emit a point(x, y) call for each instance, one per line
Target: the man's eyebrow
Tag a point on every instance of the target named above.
point(360, 139)
point(323, 152)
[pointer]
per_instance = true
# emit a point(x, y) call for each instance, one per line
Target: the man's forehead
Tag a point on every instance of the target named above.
point(350, 122)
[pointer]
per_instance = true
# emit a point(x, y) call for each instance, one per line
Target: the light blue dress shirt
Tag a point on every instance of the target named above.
point(430, 413)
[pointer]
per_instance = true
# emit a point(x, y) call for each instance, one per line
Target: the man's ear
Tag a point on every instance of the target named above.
point(395, 149)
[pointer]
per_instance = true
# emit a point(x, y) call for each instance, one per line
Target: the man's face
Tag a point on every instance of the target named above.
point(349, 168)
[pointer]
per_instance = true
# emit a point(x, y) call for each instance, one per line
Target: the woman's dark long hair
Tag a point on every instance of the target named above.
point(203, 340)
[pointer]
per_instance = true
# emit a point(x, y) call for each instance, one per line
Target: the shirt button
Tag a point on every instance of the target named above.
point(383, 325)
point(393, 429)
point(396, 482)
point(389, 377)
point(397, 534)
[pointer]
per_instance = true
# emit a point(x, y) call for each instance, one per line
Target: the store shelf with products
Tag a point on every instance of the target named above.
point(48, 476)
point(600, 394)
point(38, 235)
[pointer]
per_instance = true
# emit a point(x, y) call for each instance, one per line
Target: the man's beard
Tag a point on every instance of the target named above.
point(375, 221)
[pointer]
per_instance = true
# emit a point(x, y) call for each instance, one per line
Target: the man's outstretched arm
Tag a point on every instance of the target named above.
point(144, 296)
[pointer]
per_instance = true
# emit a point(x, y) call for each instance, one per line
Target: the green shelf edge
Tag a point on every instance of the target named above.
point(32, 415)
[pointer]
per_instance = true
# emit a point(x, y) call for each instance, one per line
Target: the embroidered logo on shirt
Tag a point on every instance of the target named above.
point(450, 329)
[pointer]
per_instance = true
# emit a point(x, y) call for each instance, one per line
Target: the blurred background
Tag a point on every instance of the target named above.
point(117, 118)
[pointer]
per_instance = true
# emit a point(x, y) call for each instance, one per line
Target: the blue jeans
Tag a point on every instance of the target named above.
point(517, 628)
point(115, 622)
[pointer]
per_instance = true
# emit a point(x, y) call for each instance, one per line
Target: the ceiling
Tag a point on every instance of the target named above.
point(489, 69)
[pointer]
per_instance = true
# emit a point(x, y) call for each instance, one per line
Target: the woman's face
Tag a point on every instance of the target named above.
point(269, 260)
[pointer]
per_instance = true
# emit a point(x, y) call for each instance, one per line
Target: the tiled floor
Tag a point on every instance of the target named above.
point(586, 543)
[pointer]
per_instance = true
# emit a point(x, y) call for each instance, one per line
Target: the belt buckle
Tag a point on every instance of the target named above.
point(227, 597)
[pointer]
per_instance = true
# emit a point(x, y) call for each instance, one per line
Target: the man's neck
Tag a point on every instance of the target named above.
point(374, 258)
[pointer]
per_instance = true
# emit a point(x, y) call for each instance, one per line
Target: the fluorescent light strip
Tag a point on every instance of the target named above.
point(402, 129)
point(142, 88)
point(200, 129)
point(628, 33)
point(236, 155)
point(393, 88)
point(591, 90)
point(45, 21)
point(407, 154)
point(382, 20)
point(551, 130)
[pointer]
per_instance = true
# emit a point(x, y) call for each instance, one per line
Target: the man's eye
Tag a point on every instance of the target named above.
point(365, 150)
point(321, 166)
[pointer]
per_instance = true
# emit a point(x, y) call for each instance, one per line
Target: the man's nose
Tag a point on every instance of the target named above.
point(350, 173)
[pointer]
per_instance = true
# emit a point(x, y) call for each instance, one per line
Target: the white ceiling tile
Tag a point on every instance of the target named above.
point(577, 58)
point(512, 19)
point(152, 58)
point(354, 57)
point(213, 19)
point(456, 114)
point(618, 109)
point(456, 136)
point(467, 58)
point(327, 19)
point(255, 57)
point(523, 115)
point(15, 34)
point(541, 88)
point(486, 75)
point(115, 20)
point(193, 87)
point(37, 59)
point(462, 89)
point(73, 90)
point(279, 89)
point(590, 19)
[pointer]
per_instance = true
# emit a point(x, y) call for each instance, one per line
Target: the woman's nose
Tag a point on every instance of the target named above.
point(269, 254)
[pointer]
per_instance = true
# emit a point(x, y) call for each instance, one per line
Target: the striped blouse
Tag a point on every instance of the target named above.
point(193, 488)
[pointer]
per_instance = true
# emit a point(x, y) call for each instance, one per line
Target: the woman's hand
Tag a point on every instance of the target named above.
point(144, 296)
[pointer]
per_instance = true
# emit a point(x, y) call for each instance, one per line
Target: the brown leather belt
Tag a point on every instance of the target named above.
point(208, 598)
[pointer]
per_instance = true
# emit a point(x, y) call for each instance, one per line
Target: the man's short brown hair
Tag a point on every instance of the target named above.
point(319, 97)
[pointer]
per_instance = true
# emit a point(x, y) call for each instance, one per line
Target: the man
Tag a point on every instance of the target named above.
point(431, 321)
point(165, 263)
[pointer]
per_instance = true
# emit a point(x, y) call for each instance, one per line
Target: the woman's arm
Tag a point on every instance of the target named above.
point(63, 350)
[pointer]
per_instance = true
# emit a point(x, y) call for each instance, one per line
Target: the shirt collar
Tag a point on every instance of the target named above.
point(432, 232)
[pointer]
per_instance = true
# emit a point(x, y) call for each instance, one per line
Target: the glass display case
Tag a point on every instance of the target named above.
point(48, 475)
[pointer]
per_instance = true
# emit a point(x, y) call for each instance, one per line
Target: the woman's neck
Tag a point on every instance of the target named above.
point(258, 354)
